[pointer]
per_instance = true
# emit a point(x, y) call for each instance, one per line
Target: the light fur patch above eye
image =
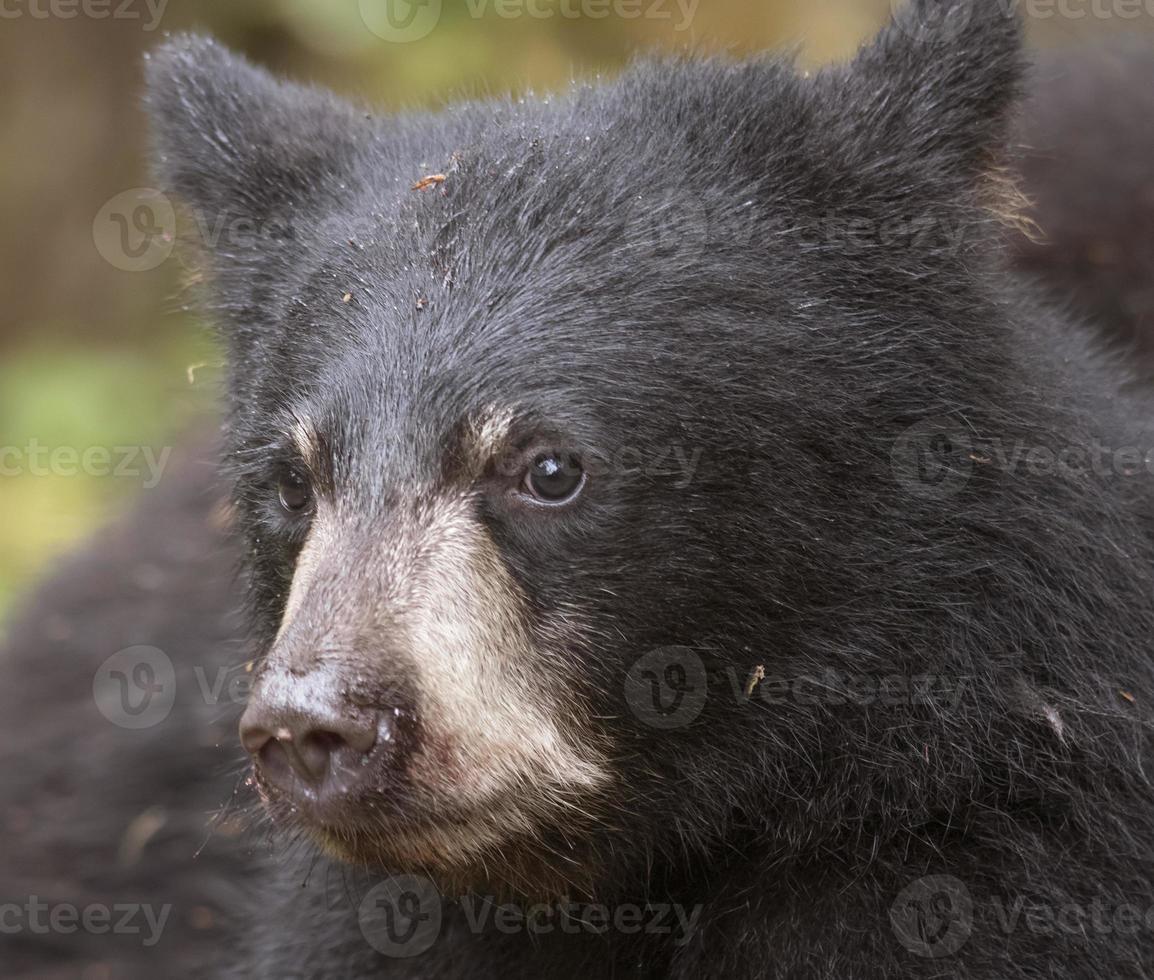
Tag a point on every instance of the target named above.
point(485, 438)
point(307, 443)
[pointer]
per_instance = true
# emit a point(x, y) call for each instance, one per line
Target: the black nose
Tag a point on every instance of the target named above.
point(317, 752)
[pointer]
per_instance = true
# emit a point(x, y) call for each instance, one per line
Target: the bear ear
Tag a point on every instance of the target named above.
point(232, 141)
point(938, 84)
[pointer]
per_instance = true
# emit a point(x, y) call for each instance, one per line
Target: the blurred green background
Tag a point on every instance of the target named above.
point(94, 355)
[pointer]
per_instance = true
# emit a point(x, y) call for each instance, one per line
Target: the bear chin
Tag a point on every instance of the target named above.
point(498, 849)
point(459, 863)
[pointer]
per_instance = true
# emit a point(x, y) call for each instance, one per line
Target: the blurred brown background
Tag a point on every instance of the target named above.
point(98, 358)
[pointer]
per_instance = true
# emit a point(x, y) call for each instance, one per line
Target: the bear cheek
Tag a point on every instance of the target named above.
point(499, 721)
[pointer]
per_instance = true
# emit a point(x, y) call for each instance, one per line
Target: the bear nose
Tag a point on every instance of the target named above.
point(315, 753)
point(307, 742)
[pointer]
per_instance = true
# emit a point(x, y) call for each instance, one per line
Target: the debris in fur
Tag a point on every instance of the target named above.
point(755, 677)
point(430, 181)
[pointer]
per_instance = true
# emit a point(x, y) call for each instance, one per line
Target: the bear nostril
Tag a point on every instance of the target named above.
point(275, 763)
point(305, 744)
point(309, 757)
point(320, 756)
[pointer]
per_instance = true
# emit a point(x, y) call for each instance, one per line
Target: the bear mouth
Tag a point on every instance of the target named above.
point(340, 804)
point(378, 821)
point(477, 856)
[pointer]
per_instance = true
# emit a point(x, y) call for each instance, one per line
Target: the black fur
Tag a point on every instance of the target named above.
point(705, 255)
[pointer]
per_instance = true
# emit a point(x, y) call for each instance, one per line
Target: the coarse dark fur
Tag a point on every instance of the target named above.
point(705, 255)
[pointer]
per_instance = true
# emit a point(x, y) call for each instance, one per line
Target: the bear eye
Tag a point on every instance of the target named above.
point(293, 492)
point(554, 478)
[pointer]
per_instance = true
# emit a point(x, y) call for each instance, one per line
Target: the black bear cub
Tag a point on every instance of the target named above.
point(676, 544)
